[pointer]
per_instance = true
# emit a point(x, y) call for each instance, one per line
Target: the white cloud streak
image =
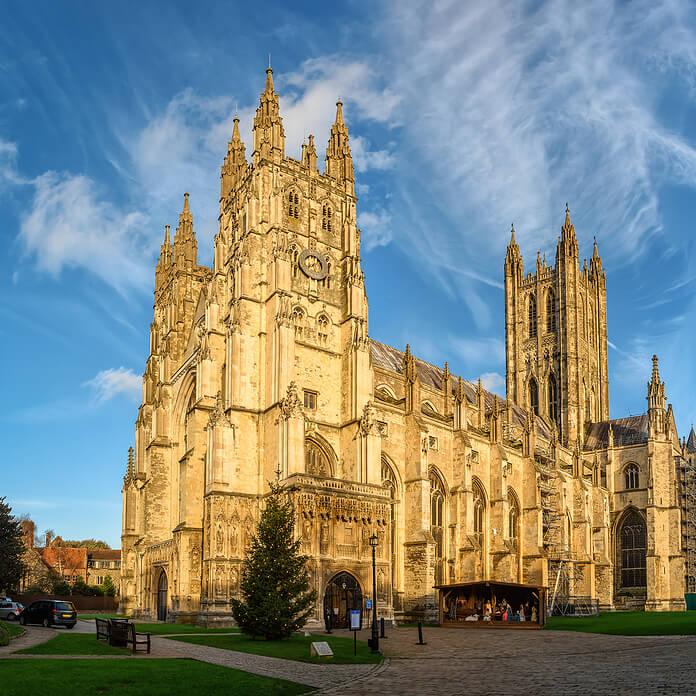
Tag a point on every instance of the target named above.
point(109, 383)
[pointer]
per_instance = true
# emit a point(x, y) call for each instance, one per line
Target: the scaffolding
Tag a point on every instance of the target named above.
point(566, 577)
point(688, 505)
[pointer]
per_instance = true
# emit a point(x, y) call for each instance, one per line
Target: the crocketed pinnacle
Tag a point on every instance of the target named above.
point(269, 81)
point(185, 244)
point(339, 161)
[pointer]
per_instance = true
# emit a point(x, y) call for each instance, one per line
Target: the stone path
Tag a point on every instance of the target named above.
point(318, 676)
point(487, 662)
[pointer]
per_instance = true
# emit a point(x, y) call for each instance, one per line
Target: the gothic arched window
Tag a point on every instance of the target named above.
point(326, 215)
point(293, 205)
point(533, 396)
point(631, 476)
point(389, 482)
point(323, 329)
point(437, 524)
point(532, 316)
point(479, 513)
point(632, 541)
point(298, 321)
point(513, 517)
point(550, 311)
point(553, 399)
point(316, 461)
point(294, 254)
point(583, 325)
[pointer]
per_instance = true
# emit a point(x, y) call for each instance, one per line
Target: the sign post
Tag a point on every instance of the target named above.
point(355, 621)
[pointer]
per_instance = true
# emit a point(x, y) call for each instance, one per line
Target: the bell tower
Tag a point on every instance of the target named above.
point(556, 336)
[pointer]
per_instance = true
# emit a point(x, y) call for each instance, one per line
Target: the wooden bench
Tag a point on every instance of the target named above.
point(103, 629)
point(118, 632)
point(136, 639)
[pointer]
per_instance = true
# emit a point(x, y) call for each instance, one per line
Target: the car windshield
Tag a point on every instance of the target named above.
point(65, 606)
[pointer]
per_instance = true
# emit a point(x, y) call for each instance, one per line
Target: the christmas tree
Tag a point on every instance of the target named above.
point(276, 599)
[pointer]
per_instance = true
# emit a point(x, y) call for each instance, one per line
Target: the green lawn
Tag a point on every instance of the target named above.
point(296, 647)
point(73, 644)
point(13, 629)
point(133, 677)
point(630, 623)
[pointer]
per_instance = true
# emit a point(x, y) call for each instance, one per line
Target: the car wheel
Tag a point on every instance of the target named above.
point(46, 623)
point(11, 616)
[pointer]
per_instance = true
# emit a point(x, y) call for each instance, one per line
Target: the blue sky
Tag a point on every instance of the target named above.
point(464, 117)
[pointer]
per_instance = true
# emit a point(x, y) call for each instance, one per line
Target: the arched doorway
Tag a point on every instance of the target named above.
point(162, 587)
point(342, 594)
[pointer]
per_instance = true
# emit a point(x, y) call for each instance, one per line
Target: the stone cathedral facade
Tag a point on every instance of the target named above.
point(262, 368)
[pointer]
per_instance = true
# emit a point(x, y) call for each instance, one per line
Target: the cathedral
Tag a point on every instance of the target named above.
point(262, 368)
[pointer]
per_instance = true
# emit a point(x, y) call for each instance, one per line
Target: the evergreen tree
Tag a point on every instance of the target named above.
point(276, 599)
point(11, 549)
point(108, 587)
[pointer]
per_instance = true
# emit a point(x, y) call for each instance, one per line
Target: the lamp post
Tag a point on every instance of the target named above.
point(375, 631)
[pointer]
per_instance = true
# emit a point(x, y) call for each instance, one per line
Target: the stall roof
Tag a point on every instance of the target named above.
point(488, 583)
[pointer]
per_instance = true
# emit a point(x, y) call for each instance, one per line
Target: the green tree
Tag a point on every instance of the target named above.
point(108, 587)
point(11, 549)
point(276, 599)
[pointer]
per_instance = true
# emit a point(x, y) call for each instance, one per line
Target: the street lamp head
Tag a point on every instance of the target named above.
point(374, 541)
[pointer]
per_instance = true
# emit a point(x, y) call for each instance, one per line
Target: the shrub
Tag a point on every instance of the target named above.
point(4, 635)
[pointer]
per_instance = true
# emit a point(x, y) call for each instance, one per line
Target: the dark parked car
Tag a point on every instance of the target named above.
point(49, 612)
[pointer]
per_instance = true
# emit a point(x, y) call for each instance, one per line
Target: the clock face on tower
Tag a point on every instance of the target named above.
point(313, 264)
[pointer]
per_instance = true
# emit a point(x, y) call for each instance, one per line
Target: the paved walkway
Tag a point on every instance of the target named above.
point(487, 662)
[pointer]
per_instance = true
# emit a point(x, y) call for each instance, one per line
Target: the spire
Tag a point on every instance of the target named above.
point(269, 135)
point(130, 469)
point(595, 263)
point(185, 244)
point(568, 242)
point(656, 398)
point(339, 162)
point(164, 263)
point(235, 165)
point(691, 442)
point(513, 251)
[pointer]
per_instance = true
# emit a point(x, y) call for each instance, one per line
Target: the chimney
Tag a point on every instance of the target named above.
point(48, 539)
point(28, 533)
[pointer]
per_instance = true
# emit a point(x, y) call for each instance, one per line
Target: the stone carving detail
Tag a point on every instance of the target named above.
point(283, 315)
point(218, 414)
point(291, 405)
point(219, 588)
point(368, 422)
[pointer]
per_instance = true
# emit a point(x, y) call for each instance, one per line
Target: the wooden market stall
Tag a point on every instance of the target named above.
point(492, 604)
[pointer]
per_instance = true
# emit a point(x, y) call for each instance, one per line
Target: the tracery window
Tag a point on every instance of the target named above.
point(389, 482)
point(553, 399)
point(533, 396)
point(294, 254)
point(479, 513)
point(437, 509)
point(316, 461)
point(323, 329)
point(326, 215)
point(298, 321)
point(633, 539)
point(293, 205)
point(532, 316)
point(631, 476)
point(513, 518)
point(550, 311)
point(325, 282)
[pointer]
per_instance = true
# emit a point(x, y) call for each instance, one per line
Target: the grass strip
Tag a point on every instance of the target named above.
point(630, 623)
point(135, 677)
point(297, 647)
point(12, 628)
point(73, 644)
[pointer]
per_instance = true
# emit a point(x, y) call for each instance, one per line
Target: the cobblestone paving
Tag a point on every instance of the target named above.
point(485, 662)
point(318, 676)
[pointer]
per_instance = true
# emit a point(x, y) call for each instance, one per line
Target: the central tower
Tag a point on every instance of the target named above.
point(556, 336)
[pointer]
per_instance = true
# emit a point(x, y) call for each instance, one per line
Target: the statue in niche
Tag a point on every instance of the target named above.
point(307, 531)
point(248, 532)
point(218, 581)
point(324, 537)
point(219, 539)
point(234, 538)
point(381, 583)
point(234, 579)
point(195, 559)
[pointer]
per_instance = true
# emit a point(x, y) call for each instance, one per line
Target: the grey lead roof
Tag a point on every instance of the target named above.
point(392, 359)
point(691, 442)
point(632, 430)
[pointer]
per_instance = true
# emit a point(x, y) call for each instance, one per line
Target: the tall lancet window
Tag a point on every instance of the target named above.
point(532, 316)
point(533, 396)
point(553, 399)
point(550, 311)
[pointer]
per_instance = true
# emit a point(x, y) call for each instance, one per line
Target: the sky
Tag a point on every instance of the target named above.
point(464, 117)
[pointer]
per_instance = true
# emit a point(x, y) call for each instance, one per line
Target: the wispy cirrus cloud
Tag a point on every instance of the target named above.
point(107, 384)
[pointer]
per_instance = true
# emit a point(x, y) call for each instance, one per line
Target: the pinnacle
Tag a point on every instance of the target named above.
point(339, 113)
point(595, 253)
point(512, 234)
point(235, 130)
point(166, 234)
point(186, 203)
point(655, 371)
point(269, 80)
